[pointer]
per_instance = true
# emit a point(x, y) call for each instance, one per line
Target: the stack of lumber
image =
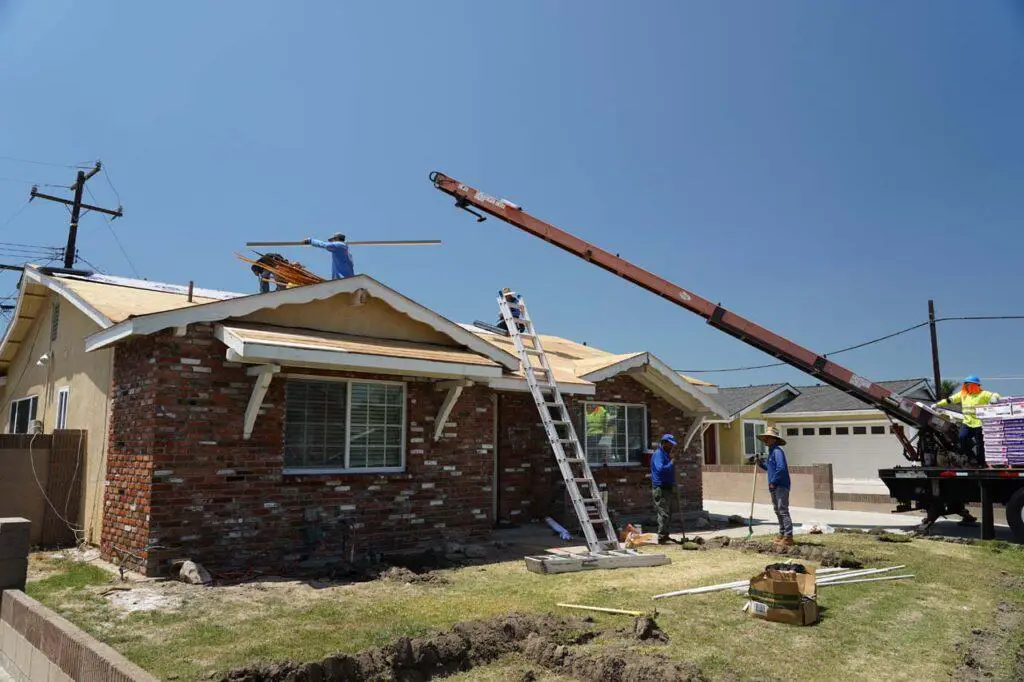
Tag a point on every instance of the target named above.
point(290, 273)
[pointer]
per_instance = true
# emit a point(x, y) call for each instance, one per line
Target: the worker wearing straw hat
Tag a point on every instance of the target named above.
point(778, 482)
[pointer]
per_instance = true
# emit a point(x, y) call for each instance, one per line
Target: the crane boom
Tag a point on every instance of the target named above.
point(870, 392)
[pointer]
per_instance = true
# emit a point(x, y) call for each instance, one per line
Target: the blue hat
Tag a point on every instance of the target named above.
point(973, 379)
point(668, 437)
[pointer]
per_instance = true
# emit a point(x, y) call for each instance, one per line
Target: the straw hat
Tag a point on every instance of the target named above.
point(772, 432)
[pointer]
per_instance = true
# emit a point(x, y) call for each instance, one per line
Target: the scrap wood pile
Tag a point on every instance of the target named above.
point(283, 271)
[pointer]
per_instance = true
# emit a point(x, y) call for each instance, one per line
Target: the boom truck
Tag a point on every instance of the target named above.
point(940, 480)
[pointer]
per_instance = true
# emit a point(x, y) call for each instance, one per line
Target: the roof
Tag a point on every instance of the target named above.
point(829, 399)
point(117, 304)
point(741, 398)
point(578, 365)
point(266, 343)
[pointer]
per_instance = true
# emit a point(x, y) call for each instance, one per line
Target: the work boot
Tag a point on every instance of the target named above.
point(968, 521)
point(786, 541)
point(664, 539)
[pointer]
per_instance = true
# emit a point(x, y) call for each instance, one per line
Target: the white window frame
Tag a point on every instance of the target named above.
point(61, 419)
point(312, 471)
point(755, 422)
point(644, 440)
point(11, 422)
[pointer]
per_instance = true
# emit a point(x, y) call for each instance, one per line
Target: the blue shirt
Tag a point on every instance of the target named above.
point(663, 470)
point(777, 468)
point(341, 259)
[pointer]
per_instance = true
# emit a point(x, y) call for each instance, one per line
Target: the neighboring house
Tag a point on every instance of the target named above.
point(821, 425)
point(300, 426)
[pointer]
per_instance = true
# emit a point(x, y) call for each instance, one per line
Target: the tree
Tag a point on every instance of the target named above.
point(947, 388)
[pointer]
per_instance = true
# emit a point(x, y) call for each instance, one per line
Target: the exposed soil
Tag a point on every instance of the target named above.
point(645, 629)
point(823, 555)
point(400, 574)
point(546, 640)
point(979, 655)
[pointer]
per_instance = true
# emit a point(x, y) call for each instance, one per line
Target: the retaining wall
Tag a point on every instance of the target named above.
point(812, 485)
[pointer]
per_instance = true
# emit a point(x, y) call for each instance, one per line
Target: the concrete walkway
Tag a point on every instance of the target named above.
point(765, 522)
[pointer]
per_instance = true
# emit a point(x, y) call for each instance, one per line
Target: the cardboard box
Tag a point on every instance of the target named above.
point(805, 614)
point(785, 596)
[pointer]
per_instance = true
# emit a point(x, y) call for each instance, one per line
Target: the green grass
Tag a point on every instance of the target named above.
point(901, 630)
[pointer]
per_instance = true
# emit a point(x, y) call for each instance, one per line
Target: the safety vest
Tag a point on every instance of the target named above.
point(969, 403)
point(597, 420)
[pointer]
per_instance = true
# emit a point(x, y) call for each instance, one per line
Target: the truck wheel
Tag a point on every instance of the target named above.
point(1015, 514)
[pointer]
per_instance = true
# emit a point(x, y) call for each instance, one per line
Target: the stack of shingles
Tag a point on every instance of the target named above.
point(1003, 431)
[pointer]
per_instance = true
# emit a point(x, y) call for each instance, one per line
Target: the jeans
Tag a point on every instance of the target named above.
point(780, 500)
point(972, 445)
point(665, 501)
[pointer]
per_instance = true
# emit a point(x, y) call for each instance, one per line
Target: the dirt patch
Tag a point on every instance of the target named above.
point(423, 658)
point(952, 541)
point(979, 655)
point(400, 574)
point(141, 599)
point(610, 665)
point(645, 629)
point(545, 640)
point(809, 552)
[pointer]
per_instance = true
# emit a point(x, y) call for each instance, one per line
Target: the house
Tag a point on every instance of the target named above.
point(284, 429)
point(822, 425)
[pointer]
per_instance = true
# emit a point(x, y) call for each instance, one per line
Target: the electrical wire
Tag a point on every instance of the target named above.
point(16, 214)
point(111, 183)
point(124, 253)
point(859, 345)
point(42, 163)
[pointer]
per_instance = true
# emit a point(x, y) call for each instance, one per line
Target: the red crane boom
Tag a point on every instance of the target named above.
point(874, 394)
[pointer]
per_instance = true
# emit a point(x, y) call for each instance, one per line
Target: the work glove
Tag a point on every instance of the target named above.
point(307, 241)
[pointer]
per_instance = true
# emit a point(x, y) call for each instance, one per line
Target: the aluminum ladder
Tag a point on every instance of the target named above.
point(572, 460)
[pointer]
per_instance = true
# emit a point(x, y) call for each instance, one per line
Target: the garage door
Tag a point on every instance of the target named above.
point(855, 452)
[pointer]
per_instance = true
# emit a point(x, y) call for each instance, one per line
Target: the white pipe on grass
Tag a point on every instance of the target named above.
point(725, 586)
point(866, 580)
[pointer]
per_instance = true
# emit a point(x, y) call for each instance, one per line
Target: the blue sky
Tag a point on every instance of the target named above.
point(822, 168)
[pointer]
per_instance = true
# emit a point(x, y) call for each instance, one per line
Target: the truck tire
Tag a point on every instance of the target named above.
point(1015, 514)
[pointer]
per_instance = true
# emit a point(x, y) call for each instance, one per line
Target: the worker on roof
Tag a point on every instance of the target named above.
point(778, 482)
point(515, 300)
point(970, 397)
point(663, 482)
point(341, 260)
point(266, 276)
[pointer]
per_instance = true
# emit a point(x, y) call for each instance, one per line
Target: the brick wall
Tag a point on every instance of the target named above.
point(530, 485)
point(183, 483)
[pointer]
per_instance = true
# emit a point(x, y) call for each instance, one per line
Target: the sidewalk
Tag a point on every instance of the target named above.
point(765, 522)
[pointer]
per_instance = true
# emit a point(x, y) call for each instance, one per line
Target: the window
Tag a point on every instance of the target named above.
point(808, 432)
point(22, 413)
point(753, 446)
point(62, 407)
point(860, 430)
point(344, 425)
point(616, 434)
point(842, 430)
point(792, 432)
point(54, 321)
point(825, 431)
point(877, 430)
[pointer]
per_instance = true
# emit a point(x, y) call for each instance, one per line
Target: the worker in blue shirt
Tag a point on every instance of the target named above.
point(663, 482)
point(778, 482)
point(341, 259)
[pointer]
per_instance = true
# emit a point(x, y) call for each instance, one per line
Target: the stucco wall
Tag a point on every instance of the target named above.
point(87, 375)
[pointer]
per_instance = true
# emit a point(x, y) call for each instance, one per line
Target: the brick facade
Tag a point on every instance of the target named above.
point(530, 485)
point(182, 482)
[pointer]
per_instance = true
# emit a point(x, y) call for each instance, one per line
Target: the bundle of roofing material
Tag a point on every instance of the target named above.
point(1002, 427)
point(290, 273)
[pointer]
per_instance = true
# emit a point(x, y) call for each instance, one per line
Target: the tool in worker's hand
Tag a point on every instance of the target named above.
point(402, 242)
point(753, 494)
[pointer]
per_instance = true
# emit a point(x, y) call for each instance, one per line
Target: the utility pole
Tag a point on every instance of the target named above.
point(76, 209)
point(935, 350)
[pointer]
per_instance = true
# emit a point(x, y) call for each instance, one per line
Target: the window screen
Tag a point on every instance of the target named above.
point(22, 413)
point(751, 444)
point(615, 434)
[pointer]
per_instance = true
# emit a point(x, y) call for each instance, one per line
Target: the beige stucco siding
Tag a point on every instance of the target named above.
point(88, 377)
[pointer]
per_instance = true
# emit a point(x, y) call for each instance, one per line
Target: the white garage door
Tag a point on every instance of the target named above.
point(856, 453)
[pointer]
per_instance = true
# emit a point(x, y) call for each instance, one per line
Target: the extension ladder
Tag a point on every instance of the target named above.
point(605, 550)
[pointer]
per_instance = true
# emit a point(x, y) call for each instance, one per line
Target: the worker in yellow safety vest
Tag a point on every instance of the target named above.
point(970, 397)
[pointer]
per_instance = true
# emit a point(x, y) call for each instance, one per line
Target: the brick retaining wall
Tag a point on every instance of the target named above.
point(38, 645)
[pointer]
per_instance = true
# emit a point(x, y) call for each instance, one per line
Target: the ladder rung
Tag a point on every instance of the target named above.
point(585, 480)
point(590, 500)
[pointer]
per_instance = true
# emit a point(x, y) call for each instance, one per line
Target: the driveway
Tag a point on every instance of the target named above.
point(766, 524)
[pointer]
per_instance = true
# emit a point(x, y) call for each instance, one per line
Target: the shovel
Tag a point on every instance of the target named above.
point(753, 494)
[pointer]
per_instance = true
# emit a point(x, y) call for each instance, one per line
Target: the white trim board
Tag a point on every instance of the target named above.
point(646, 359)
point(238, 307)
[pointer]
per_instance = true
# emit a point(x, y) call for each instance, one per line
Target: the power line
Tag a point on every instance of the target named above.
point(42, 163)
point(123, 252)
point(111, 183)
point(16, 214)
point(859, 345)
